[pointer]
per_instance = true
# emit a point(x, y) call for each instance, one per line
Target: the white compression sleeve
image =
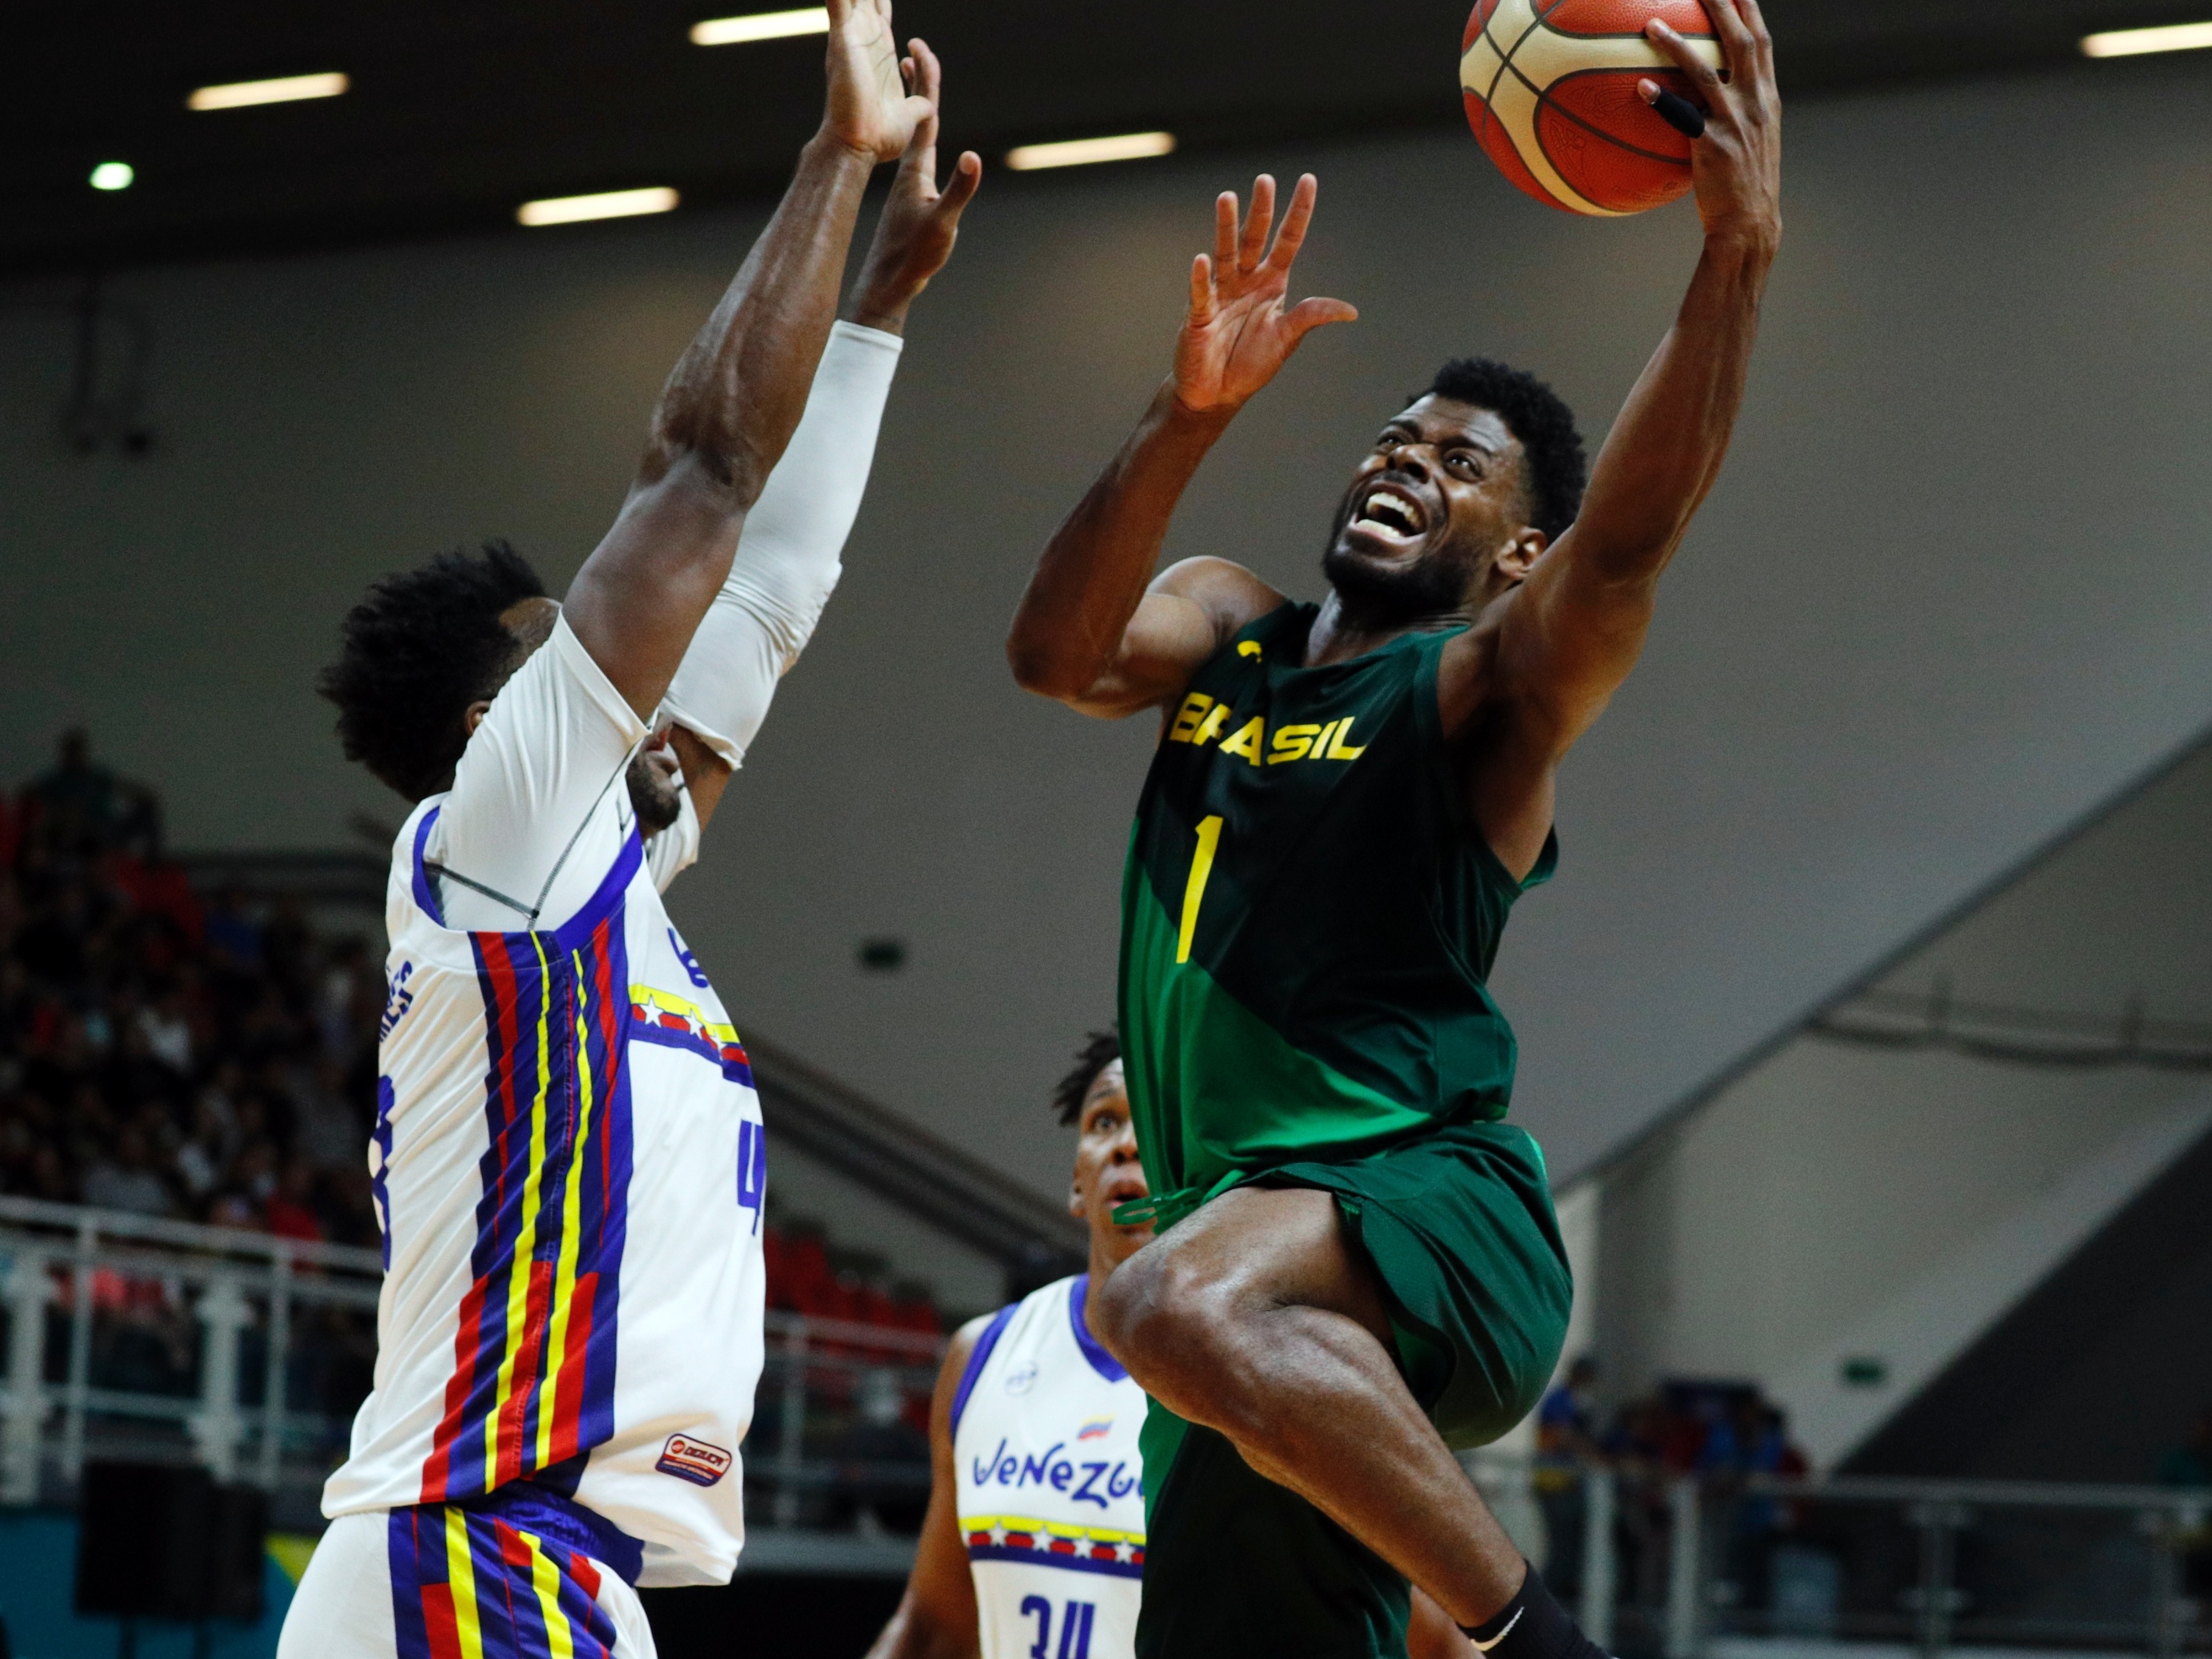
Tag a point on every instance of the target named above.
point(786, 559)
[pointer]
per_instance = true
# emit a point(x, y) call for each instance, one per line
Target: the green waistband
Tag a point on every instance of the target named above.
point(1161, 1210)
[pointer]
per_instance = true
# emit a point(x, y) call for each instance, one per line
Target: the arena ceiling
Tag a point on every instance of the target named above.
point(460, 109)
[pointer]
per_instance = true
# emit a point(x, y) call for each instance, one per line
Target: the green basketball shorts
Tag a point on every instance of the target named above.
point(1458, 1225)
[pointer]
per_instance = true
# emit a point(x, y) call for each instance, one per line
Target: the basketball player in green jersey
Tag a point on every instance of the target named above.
point(1357, 1267)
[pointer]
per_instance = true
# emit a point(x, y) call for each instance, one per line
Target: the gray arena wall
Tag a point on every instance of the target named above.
point(1951, 593)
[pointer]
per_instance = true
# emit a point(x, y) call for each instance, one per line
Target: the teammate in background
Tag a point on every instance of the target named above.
point(569, 1156)
point(1035, 1539)
point(1357, 1266)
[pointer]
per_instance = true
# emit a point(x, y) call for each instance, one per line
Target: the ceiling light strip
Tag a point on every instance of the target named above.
point(608, 204)
point(1087, 152)
point(288, 90)
point(2131, 43)
point(761, 26)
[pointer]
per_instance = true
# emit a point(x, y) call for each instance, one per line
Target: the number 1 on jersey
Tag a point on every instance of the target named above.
point(1193, 894)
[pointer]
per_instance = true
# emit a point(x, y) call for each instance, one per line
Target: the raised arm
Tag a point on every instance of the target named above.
point(936, 1618)
point(734, 398)
point(1094, 629)
point(787, 563)
point(1574, 628)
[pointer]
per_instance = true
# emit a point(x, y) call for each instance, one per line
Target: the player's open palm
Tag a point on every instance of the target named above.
point(1240, 330)
point(869, 106)
point(1736, 164)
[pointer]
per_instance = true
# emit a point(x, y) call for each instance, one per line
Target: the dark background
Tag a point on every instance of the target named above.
point(460, 111)
point(821, 1616)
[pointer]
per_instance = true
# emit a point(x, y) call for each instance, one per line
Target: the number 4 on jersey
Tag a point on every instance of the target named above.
point(1074, 1628)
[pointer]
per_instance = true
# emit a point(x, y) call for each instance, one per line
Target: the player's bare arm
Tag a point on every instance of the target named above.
point(936, 1618)
point(1095, 630)
point(736, 396)
point(913, 240)
point(1527, 687)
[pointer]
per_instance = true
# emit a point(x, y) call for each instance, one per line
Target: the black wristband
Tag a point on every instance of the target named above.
point(1532, 1626)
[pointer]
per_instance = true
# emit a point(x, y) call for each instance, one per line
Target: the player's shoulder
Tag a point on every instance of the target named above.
point(407, 889)
point(965, 1339)
point(977, 1339)
point(1232, 597)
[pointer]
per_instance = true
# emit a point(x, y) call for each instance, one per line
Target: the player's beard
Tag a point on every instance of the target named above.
point(1433, 583)
point(652, 796)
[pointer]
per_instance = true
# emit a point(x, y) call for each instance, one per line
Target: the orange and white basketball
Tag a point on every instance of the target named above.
point(1551, 92)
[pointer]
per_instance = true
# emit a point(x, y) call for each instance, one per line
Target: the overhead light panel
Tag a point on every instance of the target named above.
point(113, 175)
point(290, 89)
point(2130, 43)
point(1085, 152)
point(609, 205)
point(761, 26)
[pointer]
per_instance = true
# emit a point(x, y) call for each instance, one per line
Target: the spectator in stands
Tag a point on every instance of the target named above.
point(124, 1179)
point(2190, 1466)
point(1566, 1447)
point(1764, 1451)
point(291, 1208)
point(81, 809)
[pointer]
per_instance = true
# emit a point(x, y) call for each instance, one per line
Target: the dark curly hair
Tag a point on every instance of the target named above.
point(420, 647)
point(1101, 1051)
point(1540, 418)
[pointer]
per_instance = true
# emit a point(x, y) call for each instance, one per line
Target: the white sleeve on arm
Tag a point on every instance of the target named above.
point(786, 559)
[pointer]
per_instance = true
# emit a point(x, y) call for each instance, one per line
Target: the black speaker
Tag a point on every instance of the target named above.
point(164, 1541)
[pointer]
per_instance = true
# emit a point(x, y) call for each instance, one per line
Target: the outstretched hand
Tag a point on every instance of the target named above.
point(1239, 333)
point(869, 106)
point(1736, 164)
point(919, 223)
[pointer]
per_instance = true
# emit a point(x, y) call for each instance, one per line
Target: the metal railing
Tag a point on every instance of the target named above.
point(133, 1337)
point(840, 1426)
point(128, 1336)
point(1661, 1567)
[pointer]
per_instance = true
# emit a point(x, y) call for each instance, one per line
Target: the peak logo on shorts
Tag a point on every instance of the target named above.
point(695, 1460)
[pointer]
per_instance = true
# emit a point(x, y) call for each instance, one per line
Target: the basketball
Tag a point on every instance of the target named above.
point(1551, 92)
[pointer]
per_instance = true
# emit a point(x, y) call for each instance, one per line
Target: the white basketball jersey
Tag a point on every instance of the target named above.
point(1051, 1497)
point(569, 1166)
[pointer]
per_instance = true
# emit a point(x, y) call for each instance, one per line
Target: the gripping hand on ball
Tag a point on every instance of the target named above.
point(1736, 164)
point(869, 107)
point(1240, 332)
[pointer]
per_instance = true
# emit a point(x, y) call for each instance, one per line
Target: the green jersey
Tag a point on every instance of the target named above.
point(1308, 919)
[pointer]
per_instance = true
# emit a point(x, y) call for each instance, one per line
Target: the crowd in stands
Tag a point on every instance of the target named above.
point(1721, 1433)
point(214, 1060)
point(207, 1060)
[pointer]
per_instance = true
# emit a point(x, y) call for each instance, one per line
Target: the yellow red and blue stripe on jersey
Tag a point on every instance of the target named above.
point(533, 1380)
point(474, 1586)
point(670, 1022)
point(1035, 1543)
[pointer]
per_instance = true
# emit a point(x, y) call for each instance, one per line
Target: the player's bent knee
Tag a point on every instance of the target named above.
point(1161, 1313)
